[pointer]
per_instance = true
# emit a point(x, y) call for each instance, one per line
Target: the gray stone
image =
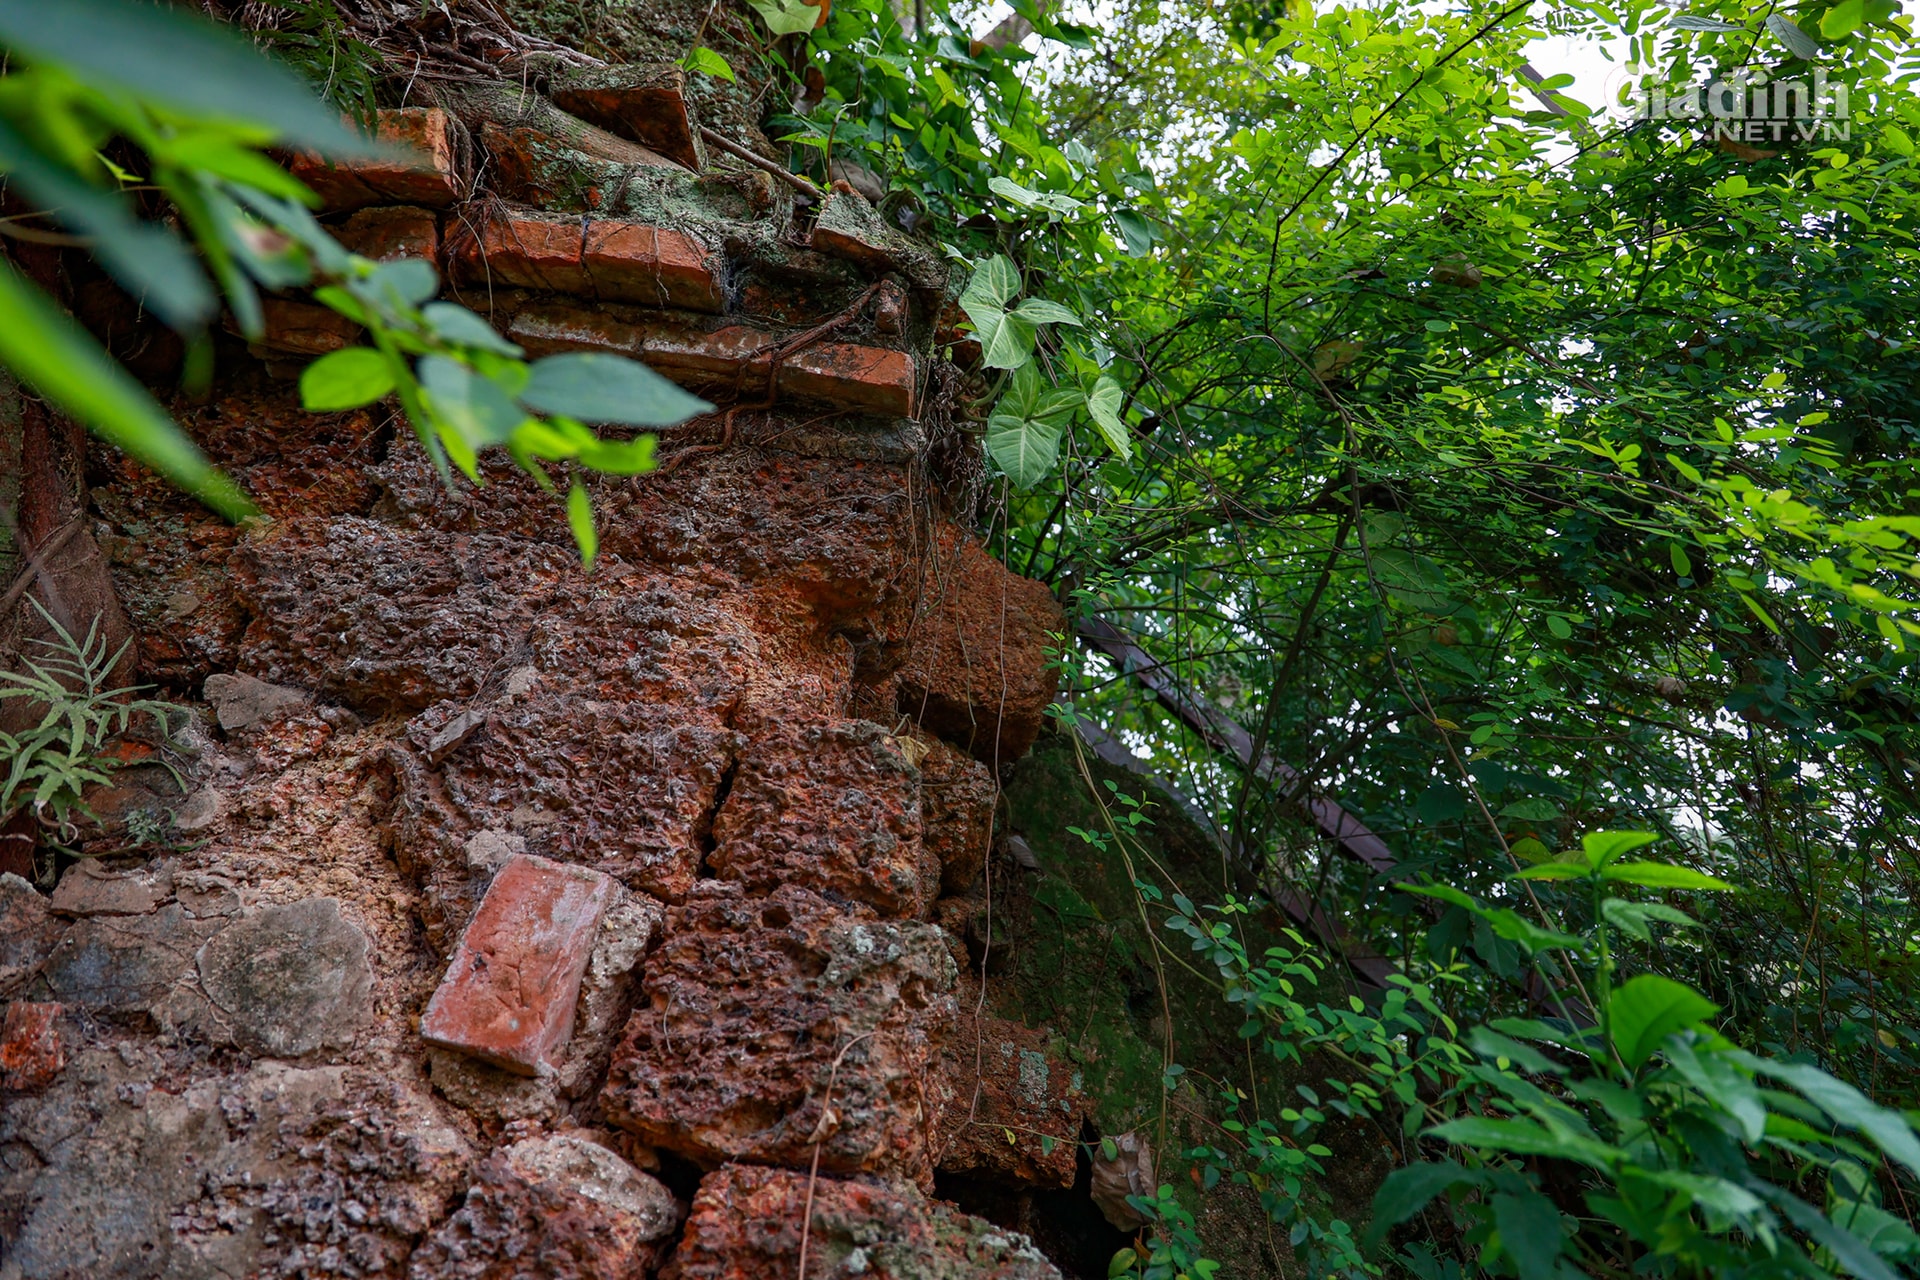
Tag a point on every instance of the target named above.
point(589, 1170)
point(490, 1093)
point(28, 932)
point(606, 989)
point(290, 979)
point(124, 964)
point(240, 702)
point(200, 811)
point(488, 851)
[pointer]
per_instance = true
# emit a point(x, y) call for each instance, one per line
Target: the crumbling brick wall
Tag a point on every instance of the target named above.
point(521, 920)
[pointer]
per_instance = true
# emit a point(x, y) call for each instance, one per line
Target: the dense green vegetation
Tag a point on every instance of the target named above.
point(1516, 470)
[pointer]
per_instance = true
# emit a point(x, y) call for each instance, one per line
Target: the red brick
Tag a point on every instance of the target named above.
point(395, 231)
point(510, 992)
point(31, 1054)
point(872, 379)
point(546, 328)
point(633, 262)
point(646, 103)
point(302, 328)
point(613, 261)
point(418, 169)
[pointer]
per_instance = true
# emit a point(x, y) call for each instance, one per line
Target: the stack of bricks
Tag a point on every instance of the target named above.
point(561, 252)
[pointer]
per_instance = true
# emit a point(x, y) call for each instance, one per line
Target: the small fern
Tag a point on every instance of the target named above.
point(46, 768)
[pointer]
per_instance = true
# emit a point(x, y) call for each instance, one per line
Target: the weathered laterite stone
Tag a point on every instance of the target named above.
point(759, 1015)
point(415, 165)
point(746, 1225)
point(614, 261)
point(645, 102)
point(509, 994)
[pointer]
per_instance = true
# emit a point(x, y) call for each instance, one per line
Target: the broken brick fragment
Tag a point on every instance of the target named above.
point(612, 260)
point(645, 102)
point(392, 232)
point(415, 165)
point(31, 1053)
point(509, 994)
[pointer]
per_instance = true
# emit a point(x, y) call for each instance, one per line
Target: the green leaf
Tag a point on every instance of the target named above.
point(1887, 1129)
point(1722, 1083)
point(477, 410)
point(1798, 42)
point(1602, 847)
point(580, 520)
point(1490, 1044)
point(1039, 311)
point(403, 283)
point(1533, 809)
point(1135, 231)
point(1661, 875)
point(786, 17)
point(1677, 555)
point(1633, 916)
point(1553, 871)
point(1691, 22)
point(1530, 1232)
point(707, 62)
point(1407, 1191)
point(1103, 403)
point(123, 46)
point(1840, 21)
point(1025, 449)
point(1847, 1249)
point(1898, 140)
point(1560, 627)
point(1525, 1138)
point(995, 283)
point(1649, 1008)
point(59, 360)
point(453, 323)
point(345, 379)
point(1006, 340)
point(596, 386)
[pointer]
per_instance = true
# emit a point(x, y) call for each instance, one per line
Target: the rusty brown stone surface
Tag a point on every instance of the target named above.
point(510, 991)
point(834, 806)
point(746, 1225)
point(31, 1051)
point(979, 674)
point(755, 1009)
point(751, 747)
